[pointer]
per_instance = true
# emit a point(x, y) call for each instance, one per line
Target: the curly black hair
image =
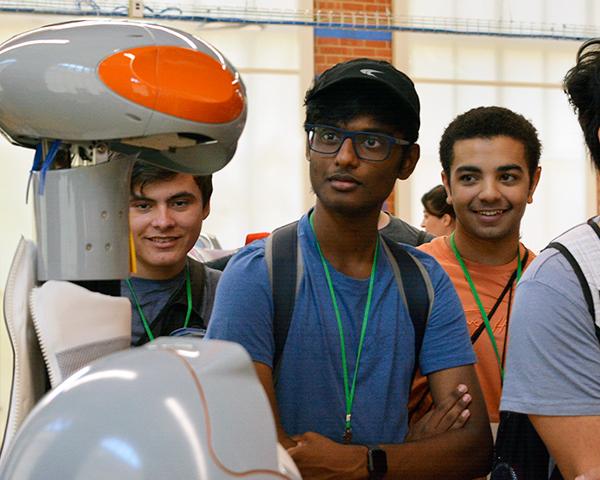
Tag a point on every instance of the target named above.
point(582, 86)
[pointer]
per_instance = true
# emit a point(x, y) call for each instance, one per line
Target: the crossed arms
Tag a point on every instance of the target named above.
point(448, 445)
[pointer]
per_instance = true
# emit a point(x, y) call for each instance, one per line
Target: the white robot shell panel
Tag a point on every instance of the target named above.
point(50, 88)
point(175, 408)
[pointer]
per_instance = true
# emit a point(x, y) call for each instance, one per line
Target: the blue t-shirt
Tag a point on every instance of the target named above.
point(310, 391)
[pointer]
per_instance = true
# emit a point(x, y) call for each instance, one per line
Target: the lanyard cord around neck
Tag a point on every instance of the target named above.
point(348, 390)
point(188, 290)
point(484, 315)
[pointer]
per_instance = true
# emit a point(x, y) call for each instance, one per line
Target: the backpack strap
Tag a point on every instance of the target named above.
point(415, 289)
point(581, 248)
point(285, 267)
point(587, 293)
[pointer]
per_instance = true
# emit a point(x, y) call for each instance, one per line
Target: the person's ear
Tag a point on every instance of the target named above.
point(206, 210)
point(446, 182)
point(534, 183)
point(446, 219)
point(409, 161)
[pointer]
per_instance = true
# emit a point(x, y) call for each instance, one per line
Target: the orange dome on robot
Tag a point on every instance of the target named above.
point(177, 81)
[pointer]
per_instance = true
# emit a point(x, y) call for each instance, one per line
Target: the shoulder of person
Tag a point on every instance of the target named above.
point(434, 247)
point(403, 232)
point(546, 267)
point(249, 261)
point(212, 274)
point(428, 262)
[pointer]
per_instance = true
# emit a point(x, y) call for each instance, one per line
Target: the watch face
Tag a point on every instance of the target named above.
point(377, 461)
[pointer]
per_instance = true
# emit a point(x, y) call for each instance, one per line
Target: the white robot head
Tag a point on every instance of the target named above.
point(137, 87)
point(91, 97)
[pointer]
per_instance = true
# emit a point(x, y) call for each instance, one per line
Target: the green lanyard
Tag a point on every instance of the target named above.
point(348, 391)
point(188, 289)
point(484, 316)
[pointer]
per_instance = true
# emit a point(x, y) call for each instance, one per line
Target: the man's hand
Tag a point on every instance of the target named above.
point(320, 458)
point(450, 414)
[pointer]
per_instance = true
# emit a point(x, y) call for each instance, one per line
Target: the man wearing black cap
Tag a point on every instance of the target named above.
point(341, 385)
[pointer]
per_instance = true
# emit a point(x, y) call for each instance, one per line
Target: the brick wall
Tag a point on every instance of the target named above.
point(334, 45)
point(332, 50)
point(354, 5)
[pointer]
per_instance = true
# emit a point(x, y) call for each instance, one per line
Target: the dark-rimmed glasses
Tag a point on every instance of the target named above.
point(370, 146)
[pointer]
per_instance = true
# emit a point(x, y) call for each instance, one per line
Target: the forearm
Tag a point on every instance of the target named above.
point(449, 456)
point(572, 441)
point(265, 377)
point(460, 453)
point(456, 454)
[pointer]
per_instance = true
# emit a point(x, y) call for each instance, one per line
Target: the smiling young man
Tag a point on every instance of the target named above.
point(170, 293)
point(342, 382)
point(490, 160)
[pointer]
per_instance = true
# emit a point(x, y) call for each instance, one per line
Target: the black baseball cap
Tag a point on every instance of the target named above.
point(366, 69)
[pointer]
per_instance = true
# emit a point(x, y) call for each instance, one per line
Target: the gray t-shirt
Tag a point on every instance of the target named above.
point(400, 231)
point(553, 360)
point(154, 294)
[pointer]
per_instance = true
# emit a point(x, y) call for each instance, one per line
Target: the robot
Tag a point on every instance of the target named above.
point(91, 98)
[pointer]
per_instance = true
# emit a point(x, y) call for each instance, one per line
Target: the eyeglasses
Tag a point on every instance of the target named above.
point(374, 147)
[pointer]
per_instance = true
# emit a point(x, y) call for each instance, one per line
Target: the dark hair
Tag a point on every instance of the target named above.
point(348, 99)
point(434, 202)
point(582, 86)
point(144, 174)
point(489, 122)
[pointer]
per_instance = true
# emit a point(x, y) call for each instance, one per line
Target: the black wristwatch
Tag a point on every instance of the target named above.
point(376, 462)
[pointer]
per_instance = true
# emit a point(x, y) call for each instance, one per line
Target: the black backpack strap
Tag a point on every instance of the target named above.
point(417, 293)
point(587, 294)
point(283, 263)
point(585, 287)
point(220, 263)
point(591, 222)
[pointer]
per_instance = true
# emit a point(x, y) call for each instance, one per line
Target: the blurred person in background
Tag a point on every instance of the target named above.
point(438, 215)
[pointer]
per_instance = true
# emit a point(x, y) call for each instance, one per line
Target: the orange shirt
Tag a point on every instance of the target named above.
point(489, 281)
